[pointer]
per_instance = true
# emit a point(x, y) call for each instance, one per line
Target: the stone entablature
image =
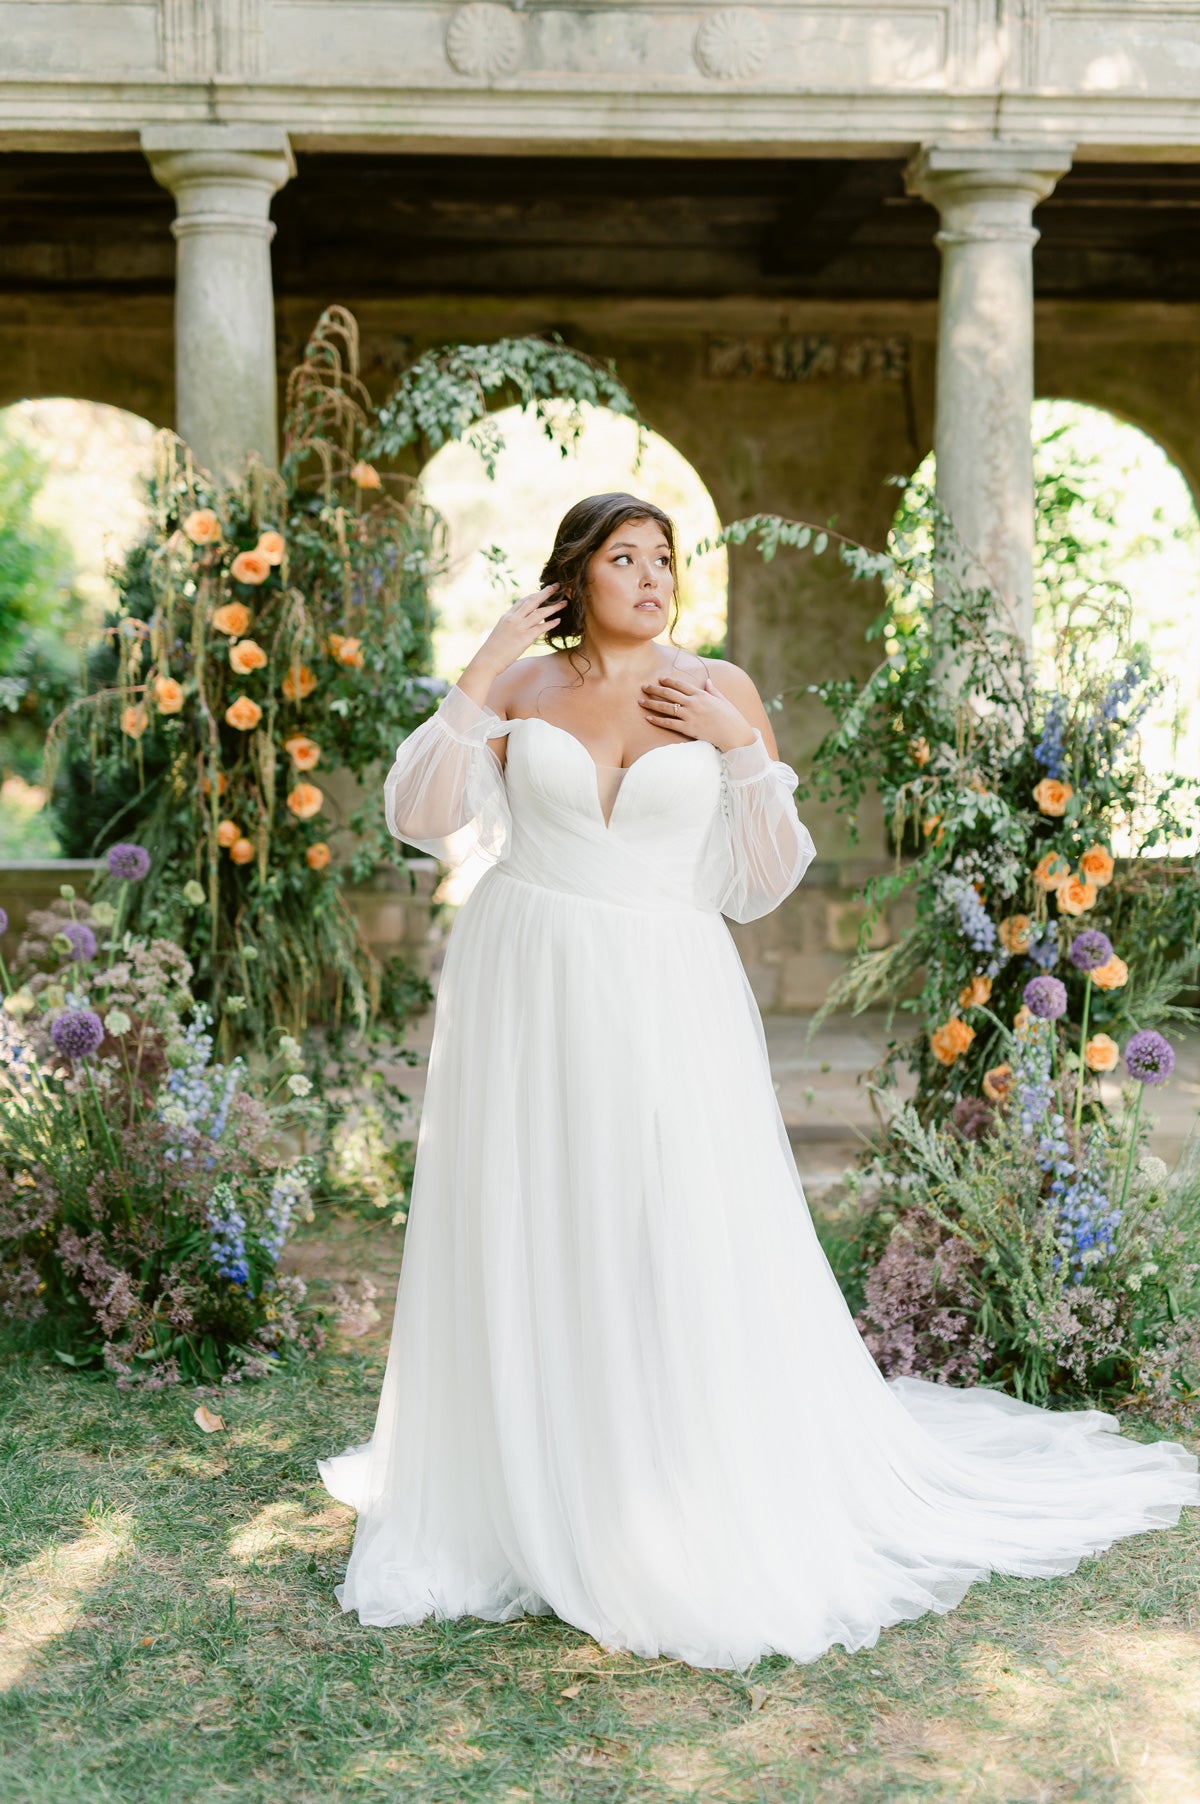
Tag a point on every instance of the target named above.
point(1106, 74)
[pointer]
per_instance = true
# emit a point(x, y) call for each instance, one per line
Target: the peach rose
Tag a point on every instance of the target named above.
point(975, 993)
point(304, 753)
point(1051, 870)
point(997, 1083)
point(1101, 1053)
point(222, 784)
point(1097, 866)
point(951, 1040)
point(346, 651)
point(250, 567)
point(202, 527)
point(366, 476)
point(1075, 896)
point(1052, 796)
point(933, 825)
point(298, 683)
point(168, 695)
point(317, 856)
point(245, 656)
point(227, 832)
point(1112, 976)
point(305, 801)
point(1015, 933)
point(243, 714)
point(232, 619)
point(134, 720)
point(1022, 1018)
point(272, 546)
point(242, 850)
point(919, 751)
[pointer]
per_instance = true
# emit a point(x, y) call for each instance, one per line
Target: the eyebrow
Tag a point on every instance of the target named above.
point(628, 545)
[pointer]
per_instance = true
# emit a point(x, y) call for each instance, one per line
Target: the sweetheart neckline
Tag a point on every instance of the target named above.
point(521, 719)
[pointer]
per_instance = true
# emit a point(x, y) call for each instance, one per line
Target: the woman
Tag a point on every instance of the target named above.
point(623, 1385)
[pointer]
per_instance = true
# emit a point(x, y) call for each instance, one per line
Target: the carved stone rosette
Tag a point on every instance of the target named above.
point(732, 44)
point(484, 39)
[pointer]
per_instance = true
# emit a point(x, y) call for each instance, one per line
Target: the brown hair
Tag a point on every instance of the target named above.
point(581, 533)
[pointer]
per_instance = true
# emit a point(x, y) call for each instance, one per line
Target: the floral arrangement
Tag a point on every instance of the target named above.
point(273, 650)
point(146, 1189)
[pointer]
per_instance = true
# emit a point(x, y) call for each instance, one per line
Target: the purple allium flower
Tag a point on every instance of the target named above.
point(1090, 949)
point(77, 1032)
point(82, 939)
point(1149, 1059)
point(3, 920)
point(128, 862)
point(1045, 997)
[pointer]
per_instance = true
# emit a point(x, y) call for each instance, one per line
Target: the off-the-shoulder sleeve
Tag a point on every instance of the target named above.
point(760, 848)
point(445, 792)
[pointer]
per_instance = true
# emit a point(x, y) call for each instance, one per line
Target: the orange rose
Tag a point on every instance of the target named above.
point(317, 856)
point(222, 784)
point(1015, 933)
point(1052, 796)
point(298, 683)
point(243, 714)
point(1075, 896)
point(951, 1040)
point(203, 527)
point(1097, 865)
point(227, 832)
point(168, 695)
point(919, 751)
point(1112, 976)
point(250, 567)
point(366, 476)
point(1051, 870)
point(246, 656)
point(346, 651)
point(1101, 1053)
point(304, 753)
point(997, 1083)
point(928, 826)
point(134, 720)
point(1022, 1018)
point(975, 993)
point(305, 801)
point(272, 547)
point(232, 619)
point(242, 851)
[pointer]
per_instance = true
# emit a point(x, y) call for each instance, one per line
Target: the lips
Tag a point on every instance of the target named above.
point(657, 605)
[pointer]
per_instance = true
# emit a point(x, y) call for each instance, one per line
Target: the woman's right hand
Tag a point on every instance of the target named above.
point(515, 631)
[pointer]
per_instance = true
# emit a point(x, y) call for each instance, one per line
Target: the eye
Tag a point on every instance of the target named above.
point(622, 557)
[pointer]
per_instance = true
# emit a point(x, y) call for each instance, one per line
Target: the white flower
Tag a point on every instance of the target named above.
point(103, 914)
point(193, 893)
point(1152, 1170)
point(1134, 1281)
point(173, 1114)
point(290, 1051)
point(298, 1084)
point(1149, 1269)
point(234, 1005)
point(21, 1002)
point(117, 1022)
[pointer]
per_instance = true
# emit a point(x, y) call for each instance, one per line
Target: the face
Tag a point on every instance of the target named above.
point(629, 581)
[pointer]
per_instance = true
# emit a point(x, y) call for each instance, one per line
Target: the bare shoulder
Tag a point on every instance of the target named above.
point(516, 689)
point(738, 687)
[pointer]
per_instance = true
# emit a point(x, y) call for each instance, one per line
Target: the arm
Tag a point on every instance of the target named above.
point(759, 848)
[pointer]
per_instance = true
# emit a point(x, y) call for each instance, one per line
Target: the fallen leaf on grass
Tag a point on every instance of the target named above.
point(204, 1418)
point(756, 1696)
point(571, 1691)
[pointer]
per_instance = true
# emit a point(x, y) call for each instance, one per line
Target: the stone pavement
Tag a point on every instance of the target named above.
point(826, 1103)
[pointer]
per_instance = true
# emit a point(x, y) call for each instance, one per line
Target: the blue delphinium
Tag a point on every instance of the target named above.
point(1043, 945)
point(227, 1229)
point(198, 1094)
point(1049, 749)
point(1088, 1222)
point(975, 924)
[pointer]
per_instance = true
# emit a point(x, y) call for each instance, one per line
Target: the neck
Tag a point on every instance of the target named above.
point(618, 660)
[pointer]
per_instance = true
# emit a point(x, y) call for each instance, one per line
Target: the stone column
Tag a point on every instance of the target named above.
point(222, 178)
point(985, 195)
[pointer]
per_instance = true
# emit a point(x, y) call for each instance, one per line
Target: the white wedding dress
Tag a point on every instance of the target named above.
point(623, 1385)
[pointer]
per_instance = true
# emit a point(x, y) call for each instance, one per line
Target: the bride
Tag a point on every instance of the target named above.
point(623, 1385)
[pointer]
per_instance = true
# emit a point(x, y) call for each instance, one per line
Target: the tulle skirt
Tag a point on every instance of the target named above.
point(623, 1385)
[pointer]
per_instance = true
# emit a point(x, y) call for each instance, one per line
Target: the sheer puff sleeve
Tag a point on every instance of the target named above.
point(445, 792)
point(759, 849)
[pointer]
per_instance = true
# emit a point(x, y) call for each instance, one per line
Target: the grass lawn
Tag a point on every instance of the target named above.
point(170, 1633)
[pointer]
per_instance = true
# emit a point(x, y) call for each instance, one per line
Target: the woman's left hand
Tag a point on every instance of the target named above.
point(695, 711)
